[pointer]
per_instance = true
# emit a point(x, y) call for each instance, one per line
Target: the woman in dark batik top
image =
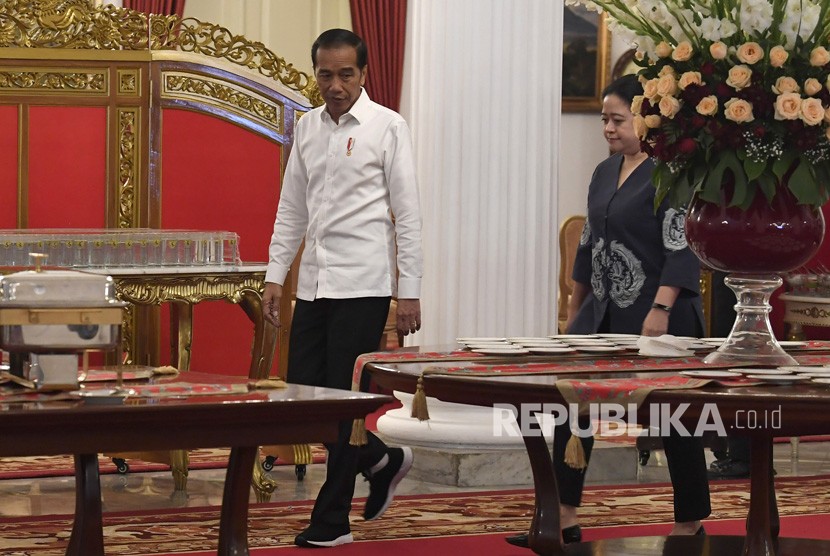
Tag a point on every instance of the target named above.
point(634, 274)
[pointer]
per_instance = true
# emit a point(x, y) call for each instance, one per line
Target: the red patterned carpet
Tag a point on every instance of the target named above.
point(607, 511)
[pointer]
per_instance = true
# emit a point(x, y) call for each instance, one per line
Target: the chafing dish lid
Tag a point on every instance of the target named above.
point(57, 288)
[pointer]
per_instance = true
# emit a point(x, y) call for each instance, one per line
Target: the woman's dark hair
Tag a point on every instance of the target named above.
point(340, 37)
point(626, 87)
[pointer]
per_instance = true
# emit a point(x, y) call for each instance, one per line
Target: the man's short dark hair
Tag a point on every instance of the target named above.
point(340, 37)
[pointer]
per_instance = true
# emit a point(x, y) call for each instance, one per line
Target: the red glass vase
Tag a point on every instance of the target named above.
point(754, 246)
point(767, 238)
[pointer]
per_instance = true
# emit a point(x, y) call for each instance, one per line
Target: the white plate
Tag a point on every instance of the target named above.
point(572, 336)
point(617, 336)
point(806, 369)
point(711, 374)
point(779, 379)
point(541, 344)
point(491, 345)
point(750, 371)
point(522, 339)
point(589, 342)
point(816, 374)
point(502, 351)
point(480, 340)
point(599, 349)
point(792, 344)
point(714, 340)
point(821, 380)
point(551, 350)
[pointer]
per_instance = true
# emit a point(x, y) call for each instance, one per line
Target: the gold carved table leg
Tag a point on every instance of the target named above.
point(181, 334)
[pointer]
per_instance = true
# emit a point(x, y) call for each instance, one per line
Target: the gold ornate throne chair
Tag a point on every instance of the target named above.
point(569, 233)
point(111, 118)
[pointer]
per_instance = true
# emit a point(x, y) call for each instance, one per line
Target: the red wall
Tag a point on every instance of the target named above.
point(8, 166)
point(219, 176)
point(67, 167)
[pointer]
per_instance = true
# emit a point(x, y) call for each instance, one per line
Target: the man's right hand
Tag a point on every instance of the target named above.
point(271, 298)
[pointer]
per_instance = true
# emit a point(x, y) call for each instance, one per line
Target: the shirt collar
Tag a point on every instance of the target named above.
point(359, 110)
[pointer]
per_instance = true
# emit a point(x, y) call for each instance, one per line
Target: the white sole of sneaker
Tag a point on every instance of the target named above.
point(342, 539)
point(406, 464)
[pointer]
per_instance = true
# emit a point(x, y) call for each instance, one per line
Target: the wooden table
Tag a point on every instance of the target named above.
point(802, 408)
point(241, 421)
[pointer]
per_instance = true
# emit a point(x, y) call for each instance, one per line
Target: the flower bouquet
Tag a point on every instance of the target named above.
point(735, 91)
point(735, 112)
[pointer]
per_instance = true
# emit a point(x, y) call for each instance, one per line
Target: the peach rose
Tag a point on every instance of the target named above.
point(740, 76)
point(653, 121)
point(640, 128)
point(663, 49)
point(777, 56)
point(812, 86)
point(637, 104)
point(690, 78)
point(827, 133)
point(738, 110)
point(666, 70)
point(708, 106)
point(669, 107)
point(787, 106)
point(718, 50)
point(785, 85)
point(819, 56)
point(827, 116)
point(683, 52)
point(812, 112)
point(650, 89)
point(750, 53)
point(667, 86)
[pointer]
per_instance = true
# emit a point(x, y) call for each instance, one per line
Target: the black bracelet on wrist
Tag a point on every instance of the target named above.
point(662, 307)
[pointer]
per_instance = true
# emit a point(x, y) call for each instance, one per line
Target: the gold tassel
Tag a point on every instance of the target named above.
point(358, 437)
point(419, 402)
point(575, 453)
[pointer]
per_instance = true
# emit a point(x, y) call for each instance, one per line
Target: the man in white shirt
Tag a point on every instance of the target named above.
point(350, 191)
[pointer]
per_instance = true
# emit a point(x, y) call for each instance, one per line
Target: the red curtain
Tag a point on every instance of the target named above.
point(382, 26)
point(164, 7)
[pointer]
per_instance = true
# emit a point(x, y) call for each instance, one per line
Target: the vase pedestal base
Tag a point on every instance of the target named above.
point(751, 340)
point(744, 348)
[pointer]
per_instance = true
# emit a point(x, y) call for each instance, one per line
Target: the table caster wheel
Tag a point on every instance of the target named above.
point(643, 456)
point(268, 463)
point(121, 466)
point(299, 470)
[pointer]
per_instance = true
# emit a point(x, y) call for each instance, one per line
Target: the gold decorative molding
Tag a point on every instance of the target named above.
point(54, 80)
point(129, 81)
point(79, 24)
point(225, 95)
point(157, 289)
point(128, 166)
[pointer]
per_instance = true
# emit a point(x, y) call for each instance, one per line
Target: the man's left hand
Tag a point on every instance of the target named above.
point(408, 317)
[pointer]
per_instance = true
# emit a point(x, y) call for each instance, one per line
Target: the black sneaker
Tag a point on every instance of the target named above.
point(316, 537)
point(729, 469)
point(382, 483)
point(570, 535)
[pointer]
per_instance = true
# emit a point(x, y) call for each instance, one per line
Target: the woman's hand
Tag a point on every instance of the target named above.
point(656, 323)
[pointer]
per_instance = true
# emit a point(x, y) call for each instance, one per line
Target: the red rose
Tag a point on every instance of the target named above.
point(687, 145)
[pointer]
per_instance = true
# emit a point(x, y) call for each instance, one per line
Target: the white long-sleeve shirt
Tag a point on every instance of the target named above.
point(341, 187)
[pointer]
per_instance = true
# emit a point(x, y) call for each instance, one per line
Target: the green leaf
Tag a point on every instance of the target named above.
point(803, 183)
point(767, 185)
point(753, 169)
point(783, 164)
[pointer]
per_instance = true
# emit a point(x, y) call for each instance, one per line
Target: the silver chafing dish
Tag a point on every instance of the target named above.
point(48, 317)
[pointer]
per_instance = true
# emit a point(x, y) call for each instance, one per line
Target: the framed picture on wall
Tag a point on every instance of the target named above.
point(585, 59)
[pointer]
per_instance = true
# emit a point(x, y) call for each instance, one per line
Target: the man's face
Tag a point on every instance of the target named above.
point(339, 78)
